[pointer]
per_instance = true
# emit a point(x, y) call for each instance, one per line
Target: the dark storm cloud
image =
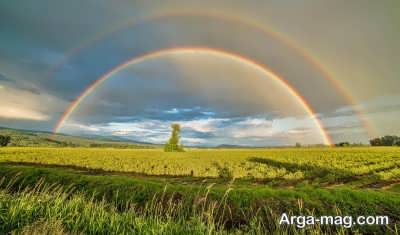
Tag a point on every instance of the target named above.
point(59, 24)
point(173, 33)
point(24, 86)
point(90, 63)
point(4, 78)
point(170, 93)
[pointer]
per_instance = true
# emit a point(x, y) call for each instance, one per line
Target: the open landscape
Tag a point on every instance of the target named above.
point(181, 117)
point(199, 191)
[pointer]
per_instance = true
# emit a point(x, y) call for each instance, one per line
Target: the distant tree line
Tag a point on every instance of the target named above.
point(342, 144)
point(348, 144)
point(387, 140)
point(120, 146)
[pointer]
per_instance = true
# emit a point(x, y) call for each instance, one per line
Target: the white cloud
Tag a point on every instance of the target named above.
point(172, 111)
point(203, 125)
point(258, 132)
point(26, 105)
point(256, 122)
point(252, 127)
point(10, 112)
point(82, 127)
point(193, 141)
point(210, 130)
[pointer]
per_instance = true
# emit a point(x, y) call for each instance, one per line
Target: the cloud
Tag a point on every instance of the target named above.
point(204, 125)
point(193, 141)
point(20, 85)
point(377, 116)
point(33, 42)
point(21, 104)
point(173, 111)
point(380, 104)
point(252, 127)
point(11, 112)
point(207, 131)
point(188, 87)
point(4, 78)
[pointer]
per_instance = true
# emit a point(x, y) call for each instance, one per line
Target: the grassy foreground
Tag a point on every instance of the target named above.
point(55, 190)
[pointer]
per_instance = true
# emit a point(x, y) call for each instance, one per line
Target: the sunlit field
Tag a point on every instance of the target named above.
point(319, 165)
point(216, 191)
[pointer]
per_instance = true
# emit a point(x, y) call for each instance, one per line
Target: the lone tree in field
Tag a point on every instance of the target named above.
point(173, 143)
point(4, 140)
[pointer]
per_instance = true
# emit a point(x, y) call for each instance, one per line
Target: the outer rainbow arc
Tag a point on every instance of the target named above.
point(280, 37)
point(153, 54)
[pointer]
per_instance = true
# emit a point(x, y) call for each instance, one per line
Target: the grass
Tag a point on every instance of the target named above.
point(60, 209)
point(77, 190)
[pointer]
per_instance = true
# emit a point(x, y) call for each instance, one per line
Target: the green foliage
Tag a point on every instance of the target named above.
point(4, 140)
point(342, 144)
point(223, 171)
point(60, 200)
point(173, 143)
point(387, 140)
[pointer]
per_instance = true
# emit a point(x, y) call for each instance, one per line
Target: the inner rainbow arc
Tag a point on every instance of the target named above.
point(153, 54)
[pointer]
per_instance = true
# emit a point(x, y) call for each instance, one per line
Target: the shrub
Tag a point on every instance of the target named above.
point(4, 140)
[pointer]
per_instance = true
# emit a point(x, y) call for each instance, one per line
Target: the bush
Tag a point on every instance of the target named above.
point(4, 140)
point(223, 171)
point(342, 144)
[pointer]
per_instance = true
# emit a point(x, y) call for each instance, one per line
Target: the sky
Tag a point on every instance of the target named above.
point(230, 72)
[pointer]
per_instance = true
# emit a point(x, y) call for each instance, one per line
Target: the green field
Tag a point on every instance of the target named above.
point(128, 191)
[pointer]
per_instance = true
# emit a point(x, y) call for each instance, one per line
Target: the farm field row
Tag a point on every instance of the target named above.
point(315, 165)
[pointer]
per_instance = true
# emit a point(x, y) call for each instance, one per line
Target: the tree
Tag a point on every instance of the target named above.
point(173, 143)
point(4, 140)
point(375, 142)
point(387, 140)
point(342, 144)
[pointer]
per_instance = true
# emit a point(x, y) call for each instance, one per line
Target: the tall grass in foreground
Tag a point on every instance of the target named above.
point(54, 209)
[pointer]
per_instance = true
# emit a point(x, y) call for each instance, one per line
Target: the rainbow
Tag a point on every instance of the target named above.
point(266, 31)
point(182, 50)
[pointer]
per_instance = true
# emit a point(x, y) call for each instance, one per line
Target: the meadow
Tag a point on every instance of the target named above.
point(214, 191)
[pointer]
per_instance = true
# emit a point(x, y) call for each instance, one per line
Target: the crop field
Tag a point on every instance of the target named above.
point(317, 165)
point(215, 191)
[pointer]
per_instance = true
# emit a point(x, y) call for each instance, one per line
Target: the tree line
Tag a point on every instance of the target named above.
point(173, 144)
point(387, 140)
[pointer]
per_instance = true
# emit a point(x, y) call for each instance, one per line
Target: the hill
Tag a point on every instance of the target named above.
point(30, 138)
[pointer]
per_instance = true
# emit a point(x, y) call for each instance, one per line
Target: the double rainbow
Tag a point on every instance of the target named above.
point(182, 50)
point(267, 71)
